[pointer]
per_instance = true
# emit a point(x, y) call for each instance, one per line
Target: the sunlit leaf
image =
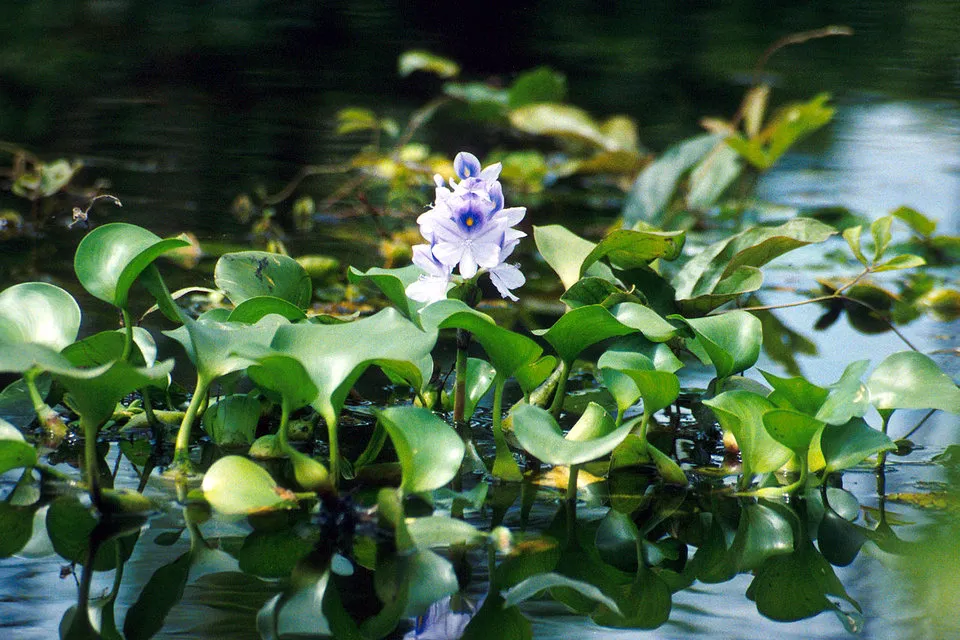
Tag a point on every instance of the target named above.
point(732, 340)
point(232, 420)
point(915, 220)
point(109, 259)
point(579, 328)
point(911, 380)
point(765, 530)
point(393, 284)
point(441, 531)
point(249, 274)
point(880, 230)
point(533, 585)
point(848, 397)
point(852, 236)
point(753, 247)
point(532, 375)
point(654, 188)
point(252, 310)
point(418, 60)
point(561, 121)
point(563, 250)
point(789, 125)
point(741, 412)
point(480, 376)
point(847, 445)
point(792, 429)
point(236, 485)
point(626, 249)
point(796, 393)
point(540, 435)
point(429, 450)
point(15, 453)
point(38, 313)
point(905, 261)
point(712, 176)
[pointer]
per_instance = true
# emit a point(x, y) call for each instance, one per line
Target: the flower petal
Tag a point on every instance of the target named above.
point(466, 165)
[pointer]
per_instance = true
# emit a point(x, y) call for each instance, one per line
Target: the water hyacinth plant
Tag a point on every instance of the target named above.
point(373, 473)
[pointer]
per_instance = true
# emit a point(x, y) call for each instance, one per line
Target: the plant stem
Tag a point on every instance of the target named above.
point(557, 405)
point(127, 335)
point(460, 382)
point(181, 452)
point(91, 461)
point(331, 419)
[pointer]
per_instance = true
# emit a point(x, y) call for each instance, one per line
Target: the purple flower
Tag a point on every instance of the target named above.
point(468, 229)
point(434, 282)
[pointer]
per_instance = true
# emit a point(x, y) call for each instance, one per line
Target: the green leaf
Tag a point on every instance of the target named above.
point(213, 346)
point(638, 353)
point(542, 84)
point(627, 249)
point(16, 524)
point(741, 412)
point(540, 435)
point(654, 188)
point(160, 594)
point(480, 376)
point(38, 313)
point(905, 261)
point(429, 450)
point(915, 220)
point(532, 375)
point(508, 351)
point(252, 310)
point(645, 603)
point(272, 554)
point(792, 429)
point(351, 120)
point(232, 420)
point(441, 531)
point(250, 274)
point(393, 284)
point(419, 60)
point(712, 176)
point(753, 247)
point(284, 375)
point(645, 320)
point(234, 485)
point(579, 328)
point(852, 236)
point(789, 125)
point(534, 585)
point(15, 453)
point(560, 121)
point(848, 397)
point(911, 380)
point(70, 526)
point(492, 620)
point(847, 445)
point(336, 355)
point(732, 340)
point(590, 290)
point(880, 230)
point(796, 393)
point(111, 257)
point(765, 530)
point(657, 388)
point(563, 250)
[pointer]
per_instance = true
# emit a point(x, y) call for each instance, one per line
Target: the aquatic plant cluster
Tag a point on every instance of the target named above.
point(374, 533)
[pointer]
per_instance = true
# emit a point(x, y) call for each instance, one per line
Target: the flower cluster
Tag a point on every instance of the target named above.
point(467, 229)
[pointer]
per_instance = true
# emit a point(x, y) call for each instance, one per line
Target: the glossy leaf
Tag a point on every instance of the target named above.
point(911, 380)
point(852, 237)
point(250, 274)
point(70, 526)
point(848, 397)
point(706, 272)
point(627, 249)
point(792, 429)
point(791, 123)
point(847, 445)
point(563, 250)
point(336, 355)
point(579, 328)
point(534, 585)
point(732, 340)
point(38, 313)
point(532, 375)
point(252, 310)
point(284, 375)
point(480, 376)
point(765, 530)
point(429, 450)
point(232, 420)
point(540, 435)
point(16, 525)
point(111, 257)
point(15, 453)
point(234, 485)
point(796, 393)
point(561, 121)
point(213, 346)
point(638, 353)
point(657, 388)
point(441, 531)
point(741, 413)
point(645, 320)
point(393, 284)
point(542, 84)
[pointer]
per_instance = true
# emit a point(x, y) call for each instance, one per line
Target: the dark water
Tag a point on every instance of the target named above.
point(183, 105)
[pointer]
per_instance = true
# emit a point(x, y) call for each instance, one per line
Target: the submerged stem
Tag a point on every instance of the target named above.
point(557, 405)
point(91, 461)
point(334, 444)
point(460, 382)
